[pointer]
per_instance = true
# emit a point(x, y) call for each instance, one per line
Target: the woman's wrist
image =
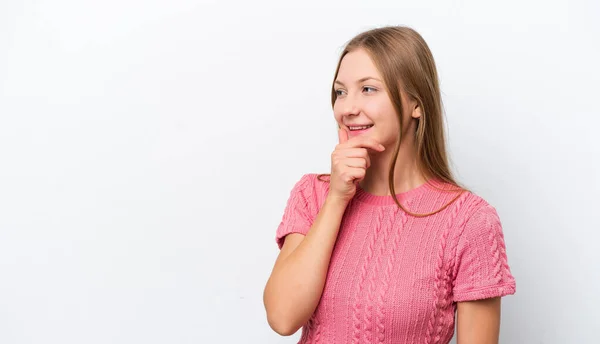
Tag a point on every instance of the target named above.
point(336, 202)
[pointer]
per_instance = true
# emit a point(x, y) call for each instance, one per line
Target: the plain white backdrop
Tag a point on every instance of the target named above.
point(147, 149)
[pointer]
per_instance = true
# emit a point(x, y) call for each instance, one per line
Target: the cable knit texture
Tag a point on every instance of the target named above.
point(396, 278)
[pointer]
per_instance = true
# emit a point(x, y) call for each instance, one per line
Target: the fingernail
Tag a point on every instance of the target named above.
point(382, 147)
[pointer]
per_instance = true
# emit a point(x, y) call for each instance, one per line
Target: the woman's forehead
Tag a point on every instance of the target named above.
point(358, 64)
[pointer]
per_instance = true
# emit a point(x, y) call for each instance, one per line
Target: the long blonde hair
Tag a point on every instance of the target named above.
point(405, 62)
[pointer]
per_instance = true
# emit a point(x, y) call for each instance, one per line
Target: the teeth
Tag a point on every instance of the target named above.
point(362, 127)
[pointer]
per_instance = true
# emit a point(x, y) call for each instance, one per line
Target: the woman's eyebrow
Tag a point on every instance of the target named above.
point(359, 80)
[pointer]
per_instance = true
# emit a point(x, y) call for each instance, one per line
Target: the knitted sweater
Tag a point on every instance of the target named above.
point(396, 278)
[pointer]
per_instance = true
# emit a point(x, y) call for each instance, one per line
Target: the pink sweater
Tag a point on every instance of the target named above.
point(395, 278)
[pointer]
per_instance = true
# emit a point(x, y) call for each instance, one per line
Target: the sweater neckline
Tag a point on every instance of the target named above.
point(363, 196)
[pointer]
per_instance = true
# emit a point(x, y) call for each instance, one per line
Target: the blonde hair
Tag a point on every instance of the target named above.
point(406, 63)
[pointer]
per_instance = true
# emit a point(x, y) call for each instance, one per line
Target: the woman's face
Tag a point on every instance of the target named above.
point(362, 100)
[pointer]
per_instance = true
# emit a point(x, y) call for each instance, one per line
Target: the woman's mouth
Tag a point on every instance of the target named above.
point(358, 129)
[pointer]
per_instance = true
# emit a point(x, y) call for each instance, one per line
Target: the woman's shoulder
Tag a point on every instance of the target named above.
point(469, 201)
point(313, 186)
point(477, 211)
point(478, 204)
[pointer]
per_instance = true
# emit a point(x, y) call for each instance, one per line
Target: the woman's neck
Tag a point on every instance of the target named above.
point(406, 173)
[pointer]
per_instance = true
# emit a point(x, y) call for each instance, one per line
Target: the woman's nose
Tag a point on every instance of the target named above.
point(351, 107)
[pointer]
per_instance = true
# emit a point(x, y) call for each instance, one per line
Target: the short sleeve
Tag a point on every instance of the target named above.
point(482, 269)
point(300, 210)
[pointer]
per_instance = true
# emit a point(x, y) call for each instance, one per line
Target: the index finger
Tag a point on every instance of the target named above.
point(342, 135)
point(365, 142)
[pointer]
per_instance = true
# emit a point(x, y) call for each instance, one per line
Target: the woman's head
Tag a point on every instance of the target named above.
point(401, 99)
point(362, 100)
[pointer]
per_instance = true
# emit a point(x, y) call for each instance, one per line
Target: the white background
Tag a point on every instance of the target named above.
point(147, 149)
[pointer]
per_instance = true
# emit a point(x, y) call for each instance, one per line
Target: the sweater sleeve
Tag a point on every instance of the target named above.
point(300, 210)
point(482, 269)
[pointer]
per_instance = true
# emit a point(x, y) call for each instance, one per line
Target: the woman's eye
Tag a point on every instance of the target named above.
point(338, 92)
point(369, 88)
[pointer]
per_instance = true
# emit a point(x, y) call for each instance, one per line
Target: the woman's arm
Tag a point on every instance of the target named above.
point(478, 322)
point(296, 283)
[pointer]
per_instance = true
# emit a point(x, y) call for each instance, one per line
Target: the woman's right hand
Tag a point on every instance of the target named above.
point(349, 163)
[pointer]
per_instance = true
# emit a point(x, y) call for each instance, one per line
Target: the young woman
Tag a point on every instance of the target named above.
point(388, 248)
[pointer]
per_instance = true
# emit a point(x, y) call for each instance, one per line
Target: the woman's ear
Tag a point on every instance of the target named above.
point(416, 113)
